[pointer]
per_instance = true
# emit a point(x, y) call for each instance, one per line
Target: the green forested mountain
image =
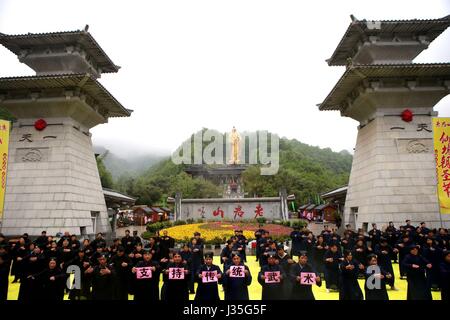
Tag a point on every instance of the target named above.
point(305, 171)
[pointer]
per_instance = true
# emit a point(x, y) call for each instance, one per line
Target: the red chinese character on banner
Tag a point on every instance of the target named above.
point(446, 175)
point(446, 188)
point(445, 162)
point(259, 211)
point(238, 212)
point(218, 212)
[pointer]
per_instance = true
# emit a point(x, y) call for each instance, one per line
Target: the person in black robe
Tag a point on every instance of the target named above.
point(302, 291)
point(318, 253)
point(375, 280)
point(52, 281)
point(99, 241)
point(360, 253)
point(112, 250)
point(137, 255)
point(332, 258)
point(83, 292)
point(433, 255)
point(350, 269)
point(102, 280)
point(384, 254)
point(443, 239)
point(208, 291)
point(52, 252)
point(127, 242)
point(176, 289)
point(5, 265)
point(309, 242)
point(444, 274)
point(347, 242)
point(225, 255)
point(270, 247)
point(258, 235)
point(19, 251)
point(122, 267)
point(272, 290)
point(136, 238)
point(34, 263)
point(374, 236)
point(65, 254)
point(296, 238)
point(236, 288)
point(285, 261)
point(66, 236)
point(152, 245)
point(75, 244)
point(237, 246)
point(416, 267)
point(242, 240)
point(165, 244)
point(261, 244)
point(41, 241)
point(391, 234)
point(196, 261)
point(97, 253)
point(146, 289)
point(403, 250)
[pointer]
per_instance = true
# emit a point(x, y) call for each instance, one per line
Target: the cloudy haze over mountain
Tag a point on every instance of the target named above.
point(252, 64)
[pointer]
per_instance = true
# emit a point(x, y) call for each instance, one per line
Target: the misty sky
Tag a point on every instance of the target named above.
point(253, 64)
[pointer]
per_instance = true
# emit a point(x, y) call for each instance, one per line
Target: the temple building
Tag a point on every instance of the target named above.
point(393, 175)
point(53, 182)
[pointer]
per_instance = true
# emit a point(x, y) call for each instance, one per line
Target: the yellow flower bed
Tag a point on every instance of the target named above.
point(186, 232)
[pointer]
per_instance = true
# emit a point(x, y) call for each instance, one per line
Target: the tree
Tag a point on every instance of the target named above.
point(105, 176)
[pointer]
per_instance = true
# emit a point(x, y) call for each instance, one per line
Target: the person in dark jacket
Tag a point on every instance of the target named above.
point(303, 291)
point(235, 281)
point(350, 268)
point(415, 267)
point(207, 289)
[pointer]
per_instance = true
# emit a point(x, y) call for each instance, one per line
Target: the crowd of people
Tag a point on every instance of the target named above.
point(128, 266)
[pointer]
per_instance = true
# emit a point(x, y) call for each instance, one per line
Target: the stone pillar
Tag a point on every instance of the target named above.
point(393, 176)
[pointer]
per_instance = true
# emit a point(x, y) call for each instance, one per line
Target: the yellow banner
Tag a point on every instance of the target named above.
point(441, 135)
point(4, 143)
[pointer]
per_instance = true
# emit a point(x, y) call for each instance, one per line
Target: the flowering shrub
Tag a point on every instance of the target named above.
point(219, 232)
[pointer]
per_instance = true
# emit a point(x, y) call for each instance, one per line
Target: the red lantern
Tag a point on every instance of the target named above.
point(40, 124)
point(407, 115)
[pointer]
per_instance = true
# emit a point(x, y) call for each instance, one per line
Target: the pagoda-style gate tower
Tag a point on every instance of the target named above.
point(393, 176)
point(53, 183)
